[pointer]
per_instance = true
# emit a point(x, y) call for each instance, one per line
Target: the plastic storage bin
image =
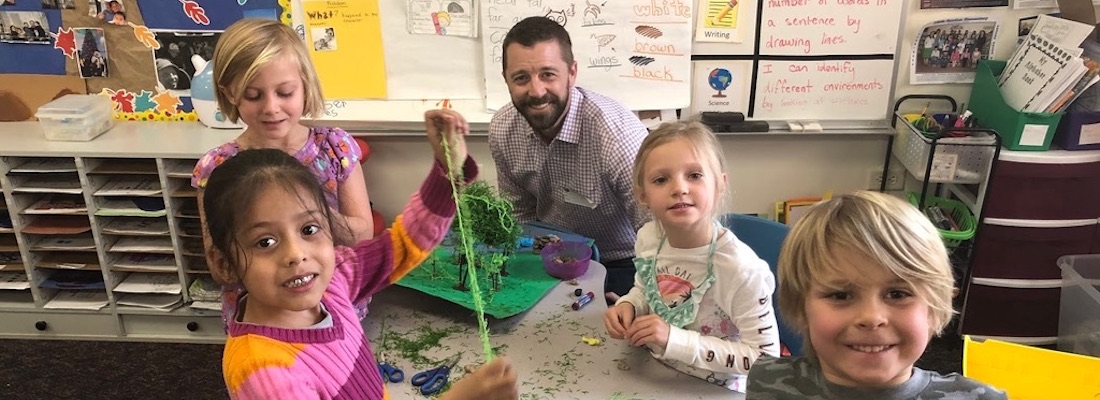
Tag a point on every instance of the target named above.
point(1079, 131)
point(1079, 314)
point(76, 117)
point(957, 159)
point(1025, 131)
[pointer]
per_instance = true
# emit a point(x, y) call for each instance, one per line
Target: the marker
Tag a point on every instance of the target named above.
point(583, 300)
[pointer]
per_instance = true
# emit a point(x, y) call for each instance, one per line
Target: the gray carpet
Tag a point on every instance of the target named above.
point(54, 369)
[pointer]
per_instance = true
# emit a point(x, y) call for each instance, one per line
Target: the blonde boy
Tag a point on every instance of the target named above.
point(866, 280)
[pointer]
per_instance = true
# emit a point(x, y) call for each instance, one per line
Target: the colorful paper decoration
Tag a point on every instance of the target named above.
point(65, 41)
point(195, 11)
point(146, 37)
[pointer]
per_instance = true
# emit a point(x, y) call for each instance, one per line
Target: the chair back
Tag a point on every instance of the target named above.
point(765, 238)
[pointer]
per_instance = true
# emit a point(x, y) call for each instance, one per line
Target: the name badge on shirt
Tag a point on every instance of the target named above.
point(572, 197)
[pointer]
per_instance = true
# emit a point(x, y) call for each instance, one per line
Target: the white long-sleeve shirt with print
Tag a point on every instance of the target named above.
point(735, 323)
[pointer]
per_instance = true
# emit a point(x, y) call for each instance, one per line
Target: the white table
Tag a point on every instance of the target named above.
point(544, 345)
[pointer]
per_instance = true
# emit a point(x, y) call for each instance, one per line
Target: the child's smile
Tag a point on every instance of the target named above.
point(867, 327)
point(288, 253)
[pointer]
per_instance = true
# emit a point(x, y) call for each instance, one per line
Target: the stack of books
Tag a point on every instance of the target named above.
point(1046, 71)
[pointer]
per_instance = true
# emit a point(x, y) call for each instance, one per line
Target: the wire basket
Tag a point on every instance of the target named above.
point(957, 159)
point(959, 212)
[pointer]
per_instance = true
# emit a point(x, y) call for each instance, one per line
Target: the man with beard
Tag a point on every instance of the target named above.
point(564, 155)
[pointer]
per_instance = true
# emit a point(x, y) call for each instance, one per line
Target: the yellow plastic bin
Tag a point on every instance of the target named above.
point(1027, 372)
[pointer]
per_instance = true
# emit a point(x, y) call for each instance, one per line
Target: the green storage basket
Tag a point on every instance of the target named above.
point(991, 111)
point(959, 212)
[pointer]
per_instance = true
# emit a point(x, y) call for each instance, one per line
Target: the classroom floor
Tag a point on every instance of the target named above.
point(52, 369)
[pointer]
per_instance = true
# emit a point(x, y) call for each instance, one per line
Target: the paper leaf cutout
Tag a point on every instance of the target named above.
point(144, 101)
point(124, 100)
point(167, 102)
point(66, 41)
point(146, 37)
point(195, 11)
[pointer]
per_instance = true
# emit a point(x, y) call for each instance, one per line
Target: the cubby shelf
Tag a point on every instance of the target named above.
point(79, 219)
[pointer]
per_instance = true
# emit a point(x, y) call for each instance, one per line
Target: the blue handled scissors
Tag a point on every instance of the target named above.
point(432, 380)
point(388, 372)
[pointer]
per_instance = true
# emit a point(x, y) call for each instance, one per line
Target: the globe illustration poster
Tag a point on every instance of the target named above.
point(719, 79)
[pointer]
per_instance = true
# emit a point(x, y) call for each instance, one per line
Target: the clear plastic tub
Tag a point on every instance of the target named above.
point(1079, 314)
point(76, 117)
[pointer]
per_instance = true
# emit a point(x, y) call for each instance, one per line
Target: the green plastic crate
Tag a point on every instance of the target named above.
point(992, 112)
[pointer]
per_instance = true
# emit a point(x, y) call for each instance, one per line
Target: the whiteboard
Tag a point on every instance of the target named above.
point(829, 27)
point(824, 90)
point(425, 69)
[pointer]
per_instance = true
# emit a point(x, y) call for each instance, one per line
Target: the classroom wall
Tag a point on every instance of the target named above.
point(761, 170)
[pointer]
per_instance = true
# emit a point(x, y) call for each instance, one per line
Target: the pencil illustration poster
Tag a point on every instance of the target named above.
point(721, 21)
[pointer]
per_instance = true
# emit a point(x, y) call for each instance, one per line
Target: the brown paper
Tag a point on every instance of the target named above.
point(129, 63)
point(23, 93)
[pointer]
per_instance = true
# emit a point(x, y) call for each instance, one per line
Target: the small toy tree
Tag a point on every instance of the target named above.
point(491, 223)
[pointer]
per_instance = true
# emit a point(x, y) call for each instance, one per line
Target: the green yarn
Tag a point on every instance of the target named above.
point(468, 246)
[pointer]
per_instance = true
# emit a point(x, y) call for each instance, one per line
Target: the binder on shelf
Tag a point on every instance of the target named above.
point(1026, 131)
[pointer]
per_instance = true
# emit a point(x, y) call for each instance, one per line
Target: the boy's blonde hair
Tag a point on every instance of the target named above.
point(706, 147)
point(879, 226)
point(250, 44)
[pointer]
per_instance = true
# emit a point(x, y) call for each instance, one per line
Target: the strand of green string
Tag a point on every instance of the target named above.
point(454, 172)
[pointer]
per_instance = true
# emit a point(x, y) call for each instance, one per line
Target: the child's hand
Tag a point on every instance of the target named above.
point(492, 381)
point(449, 125)
point(618, 320)
point(648, 329)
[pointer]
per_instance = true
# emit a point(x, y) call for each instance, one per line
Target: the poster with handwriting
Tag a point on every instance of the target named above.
point(345, 42)
point(829, 27)
point(823, 90)
point(635, 51)
point(721, 85)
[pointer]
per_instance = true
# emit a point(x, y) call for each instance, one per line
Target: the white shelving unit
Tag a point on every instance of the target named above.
point(103, 240)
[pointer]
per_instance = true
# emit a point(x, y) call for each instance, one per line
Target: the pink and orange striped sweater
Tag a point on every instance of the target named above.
point(337, 362)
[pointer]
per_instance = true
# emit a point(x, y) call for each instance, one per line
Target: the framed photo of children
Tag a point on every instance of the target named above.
point(948, 51)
